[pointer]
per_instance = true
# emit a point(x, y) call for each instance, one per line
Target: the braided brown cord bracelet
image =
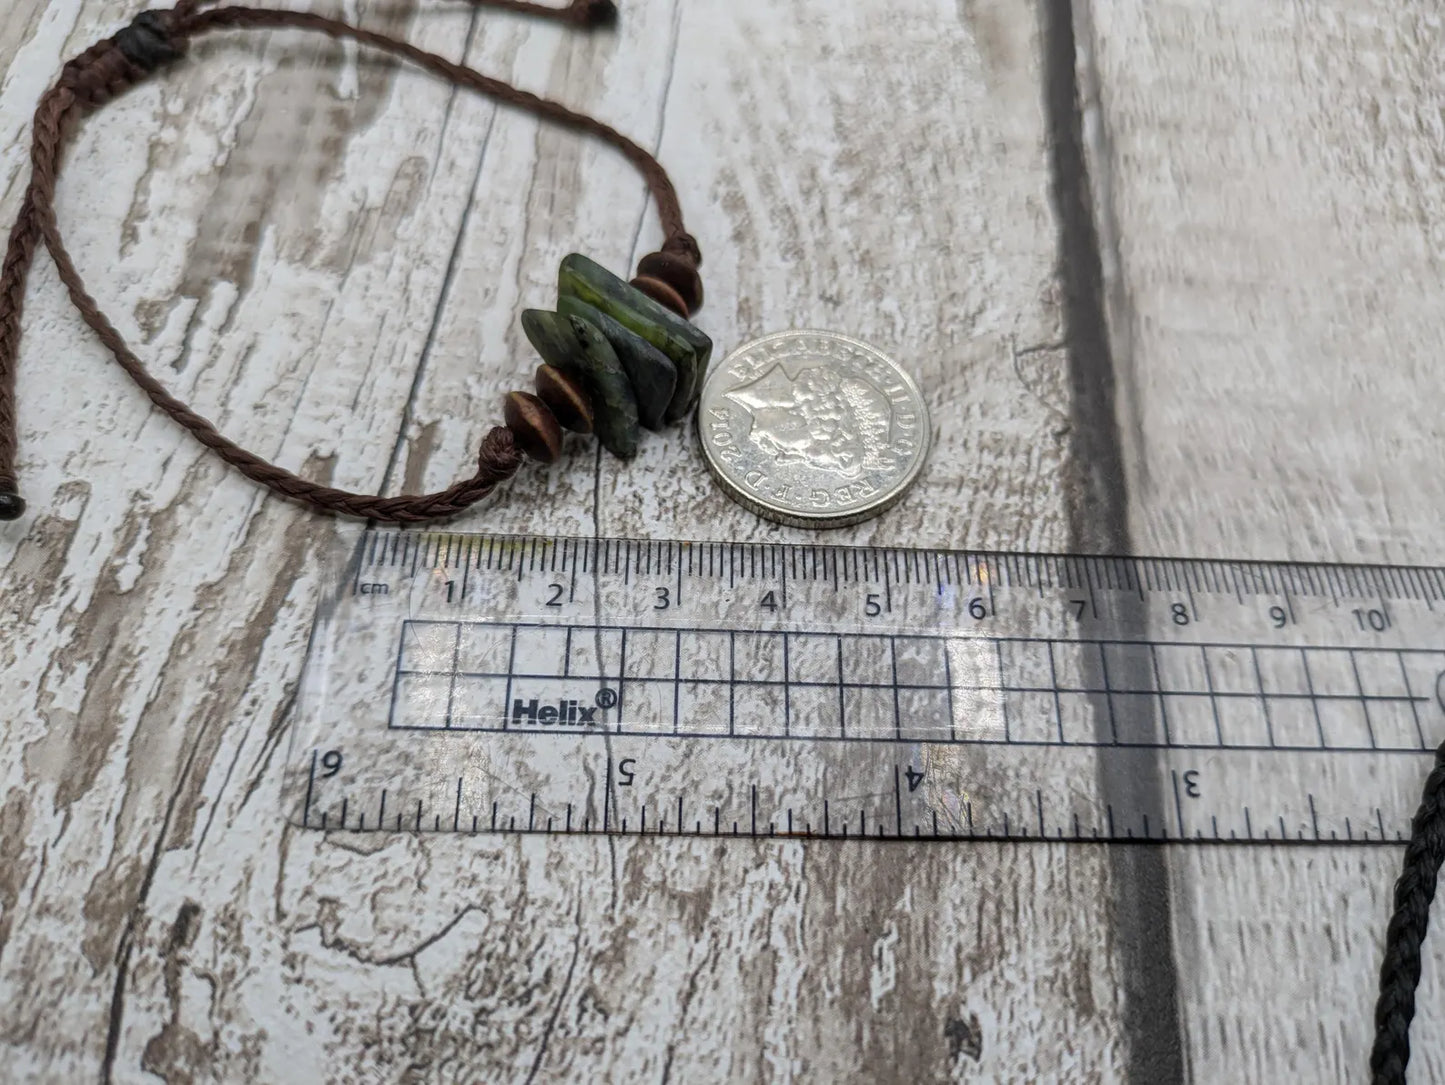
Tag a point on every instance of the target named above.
point(616, 356)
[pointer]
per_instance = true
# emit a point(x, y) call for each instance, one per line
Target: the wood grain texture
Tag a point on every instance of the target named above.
point(1270, 183)
point(327, 255)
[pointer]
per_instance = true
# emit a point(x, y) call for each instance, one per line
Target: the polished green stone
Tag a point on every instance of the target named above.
point(680, 340)
point(552, 335)
point(654, 378)
point(576, 347)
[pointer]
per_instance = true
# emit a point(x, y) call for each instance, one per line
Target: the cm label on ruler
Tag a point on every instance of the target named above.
point(476, 683)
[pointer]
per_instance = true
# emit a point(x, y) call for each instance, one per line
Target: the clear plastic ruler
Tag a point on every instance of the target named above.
point(469, 683)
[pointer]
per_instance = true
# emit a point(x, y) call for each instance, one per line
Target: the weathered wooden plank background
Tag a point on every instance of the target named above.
point(1197, 315)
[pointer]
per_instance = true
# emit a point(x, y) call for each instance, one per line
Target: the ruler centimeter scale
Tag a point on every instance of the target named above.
point(471, 683)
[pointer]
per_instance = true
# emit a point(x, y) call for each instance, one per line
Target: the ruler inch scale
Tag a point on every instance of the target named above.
point(1033, 570)
point(470, 683)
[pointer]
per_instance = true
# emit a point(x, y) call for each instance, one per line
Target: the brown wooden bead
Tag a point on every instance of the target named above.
point(566, 398)
point(533, 425)
point(677, 273)
point(661, 293)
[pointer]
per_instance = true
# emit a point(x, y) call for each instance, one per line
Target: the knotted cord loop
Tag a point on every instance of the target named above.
point(158, 38)
point(147, 42)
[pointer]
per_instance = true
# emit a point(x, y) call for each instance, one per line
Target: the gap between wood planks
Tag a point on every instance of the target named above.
point(1097, 498)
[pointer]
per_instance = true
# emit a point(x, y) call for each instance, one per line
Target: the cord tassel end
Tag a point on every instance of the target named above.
point(12, 505)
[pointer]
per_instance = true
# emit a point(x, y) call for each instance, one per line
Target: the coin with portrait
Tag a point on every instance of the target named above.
point(813, 428)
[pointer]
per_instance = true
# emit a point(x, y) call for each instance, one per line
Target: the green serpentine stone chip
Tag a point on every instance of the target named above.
point(689, 348)
point(575, 346)
point(553, 337)
point(655, 380)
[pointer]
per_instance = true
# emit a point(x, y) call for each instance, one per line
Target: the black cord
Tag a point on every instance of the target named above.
point(1400, 971)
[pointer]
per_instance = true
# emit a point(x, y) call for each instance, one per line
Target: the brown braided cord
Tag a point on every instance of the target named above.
point(112, 66)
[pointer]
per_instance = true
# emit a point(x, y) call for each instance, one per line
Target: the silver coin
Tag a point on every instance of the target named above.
point(812, 428)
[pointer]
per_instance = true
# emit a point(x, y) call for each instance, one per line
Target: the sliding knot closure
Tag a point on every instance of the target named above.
point(111, 67)
point(147, 42)
point(597, 13)
point(155, 39)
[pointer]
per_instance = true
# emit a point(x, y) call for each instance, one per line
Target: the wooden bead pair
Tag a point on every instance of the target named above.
point(670, 280)
point(537, 421)
point(661, 293)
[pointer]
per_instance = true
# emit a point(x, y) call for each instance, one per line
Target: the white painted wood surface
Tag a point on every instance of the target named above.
point(328, 255)
point(1270, 181)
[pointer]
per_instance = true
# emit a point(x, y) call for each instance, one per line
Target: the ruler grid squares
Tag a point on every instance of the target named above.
point(546, 685)
point(905, 688)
